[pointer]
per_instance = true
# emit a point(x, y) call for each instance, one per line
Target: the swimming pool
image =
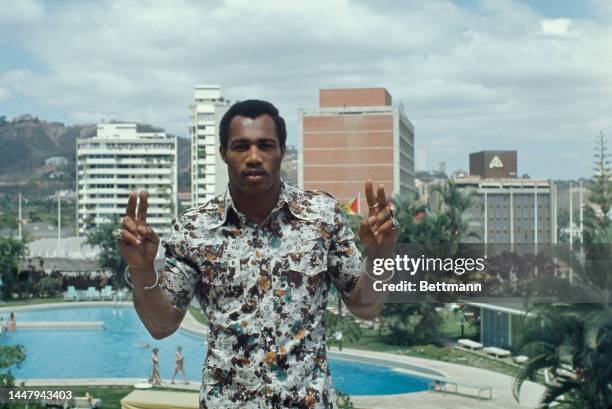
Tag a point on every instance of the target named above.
point(123, 350)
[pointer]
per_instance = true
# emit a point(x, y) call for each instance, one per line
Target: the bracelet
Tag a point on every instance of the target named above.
point(127, 278)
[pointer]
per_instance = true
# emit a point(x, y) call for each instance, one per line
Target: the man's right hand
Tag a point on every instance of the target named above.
point(139, 242)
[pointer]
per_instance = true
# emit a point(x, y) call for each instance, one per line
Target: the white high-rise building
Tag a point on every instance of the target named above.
point(208, 171)
point(118, 160)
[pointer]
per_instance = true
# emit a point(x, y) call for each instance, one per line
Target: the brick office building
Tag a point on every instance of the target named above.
point(352, 135)
point(493, 164)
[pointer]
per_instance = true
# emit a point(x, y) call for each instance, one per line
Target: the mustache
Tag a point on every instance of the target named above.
point(254, 171)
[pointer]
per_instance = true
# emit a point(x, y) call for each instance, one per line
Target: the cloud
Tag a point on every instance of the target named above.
point(499, 76)
point(4, 94)
point(17, 12)
point(557, 26)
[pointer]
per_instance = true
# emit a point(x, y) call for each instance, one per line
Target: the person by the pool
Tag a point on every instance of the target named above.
point(179, 365)
point(11, 324)
point(155, 378)
point(260, 258)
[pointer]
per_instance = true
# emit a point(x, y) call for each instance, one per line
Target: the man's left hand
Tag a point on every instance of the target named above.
point(378, 231)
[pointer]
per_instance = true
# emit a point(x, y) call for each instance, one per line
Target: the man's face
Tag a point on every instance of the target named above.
point(253, 154)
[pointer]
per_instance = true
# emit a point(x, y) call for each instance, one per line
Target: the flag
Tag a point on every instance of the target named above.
point(352, 206)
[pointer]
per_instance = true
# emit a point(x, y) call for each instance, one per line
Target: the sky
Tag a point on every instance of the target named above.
point(533, 76)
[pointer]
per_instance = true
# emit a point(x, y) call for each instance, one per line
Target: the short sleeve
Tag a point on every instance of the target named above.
point(344, 262)
point(180, 275)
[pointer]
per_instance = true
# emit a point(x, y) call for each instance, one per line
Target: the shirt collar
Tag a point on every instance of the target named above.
point(290, 197)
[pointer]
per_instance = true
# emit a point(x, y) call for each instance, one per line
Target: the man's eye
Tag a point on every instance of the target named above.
point(240, 146)
point(266, 145)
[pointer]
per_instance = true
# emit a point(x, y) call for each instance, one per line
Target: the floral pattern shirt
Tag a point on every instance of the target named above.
point(264, 291)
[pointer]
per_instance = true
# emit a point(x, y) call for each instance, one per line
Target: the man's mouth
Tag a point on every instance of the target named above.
point(254, 175)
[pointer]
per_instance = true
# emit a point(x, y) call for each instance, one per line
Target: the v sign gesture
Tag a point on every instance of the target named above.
point(138, 243)
point(378, 230)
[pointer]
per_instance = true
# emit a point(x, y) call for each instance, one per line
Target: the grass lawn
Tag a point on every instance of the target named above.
point(451, 327)
point(370, 341)
point(32, 301)
point(198, 314)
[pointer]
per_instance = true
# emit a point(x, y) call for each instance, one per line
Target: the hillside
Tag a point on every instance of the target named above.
point(25, 143)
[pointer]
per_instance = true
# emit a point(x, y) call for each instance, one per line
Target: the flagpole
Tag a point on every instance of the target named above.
point(19, 219)
point(59, 223)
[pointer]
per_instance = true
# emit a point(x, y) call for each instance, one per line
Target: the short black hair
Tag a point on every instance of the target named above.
point(252, 108)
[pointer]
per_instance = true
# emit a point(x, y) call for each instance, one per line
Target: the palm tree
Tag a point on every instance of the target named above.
point(433, 234)
point(560, 342)
point(411, 324)
point(454, 205)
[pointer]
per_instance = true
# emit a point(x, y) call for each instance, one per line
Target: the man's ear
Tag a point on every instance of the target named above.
point(283, 149)
point(222, 152)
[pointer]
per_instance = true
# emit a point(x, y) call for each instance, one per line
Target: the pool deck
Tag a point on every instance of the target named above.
point(501, 384)
point(55, 325)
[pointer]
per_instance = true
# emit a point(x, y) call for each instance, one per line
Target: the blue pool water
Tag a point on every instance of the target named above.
point(117, 352)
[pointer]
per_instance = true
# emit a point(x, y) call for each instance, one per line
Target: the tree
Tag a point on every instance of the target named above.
point(411, 324)
point(12, 252)
point(574, 342)
point(343, 400)
point(350, 329)
point(433, 234)
point(109, 256)
point(597, 234)
point(454, 205)
point(8, 221)
point(597, 223)
point(10, 355)
point(560, 342)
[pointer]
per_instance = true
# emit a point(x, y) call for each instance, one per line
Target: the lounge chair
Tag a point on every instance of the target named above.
point(92, 294)
point(445, 386)
point(71, 294)
point(107, 293)
point(123, 294)
point(497, 352)
point(468, 343)
point(520, 359)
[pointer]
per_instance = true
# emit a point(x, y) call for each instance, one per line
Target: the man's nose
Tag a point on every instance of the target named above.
point(254, 155)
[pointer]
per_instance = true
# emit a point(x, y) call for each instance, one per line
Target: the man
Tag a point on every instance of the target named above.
point(260, 259)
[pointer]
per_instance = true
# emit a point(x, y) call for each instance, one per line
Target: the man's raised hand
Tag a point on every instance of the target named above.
point(377, 228)
point(138, 243)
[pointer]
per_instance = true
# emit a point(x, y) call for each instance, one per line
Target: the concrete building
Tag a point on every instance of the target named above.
point(355, 134)
point(501, 325)
point(493, 164)
point(56, 161)
point(289, 165)
point(35, 231)
point(118, 160)
point(208, 172)
point(512, 211)
point(426, 184)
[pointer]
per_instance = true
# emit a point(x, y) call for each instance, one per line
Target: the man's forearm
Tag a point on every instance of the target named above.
point(369, 308)
point(155, 311)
